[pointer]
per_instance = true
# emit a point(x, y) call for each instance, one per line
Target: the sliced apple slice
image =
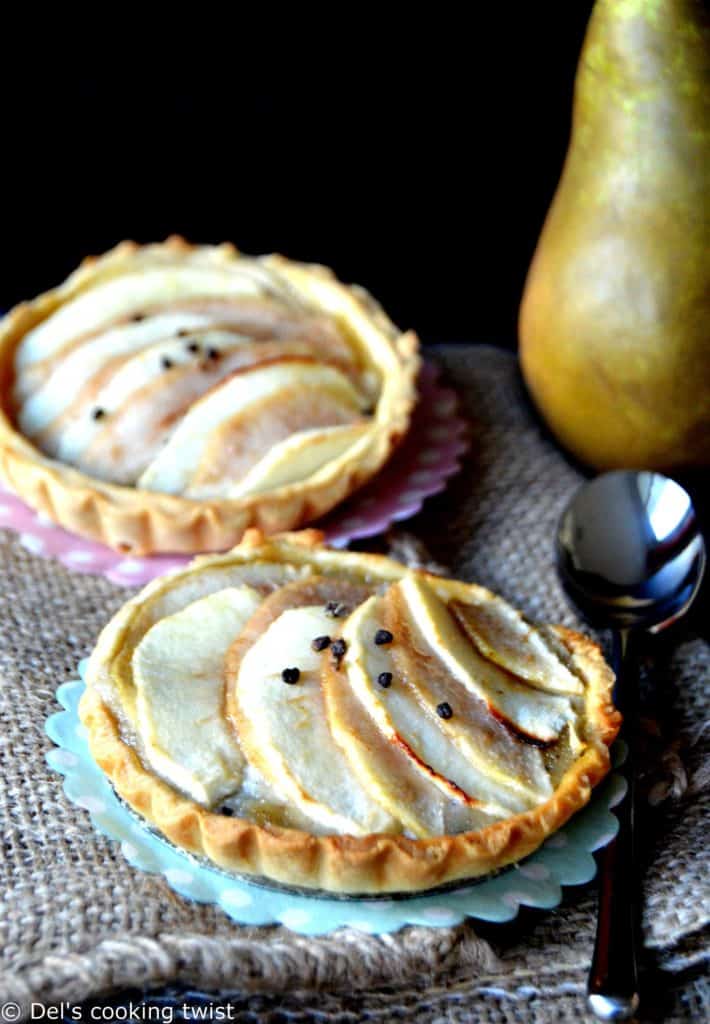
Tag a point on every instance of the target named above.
point(385, 768)
point(178, 670)
point(299, 457)
point(404, 722)
point(283, 727)
point(225, 433)
point(261, 319)
point(537, 716)
point(503, 636)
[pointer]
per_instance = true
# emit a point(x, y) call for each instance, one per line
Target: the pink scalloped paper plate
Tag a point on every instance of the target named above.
point(425, 460)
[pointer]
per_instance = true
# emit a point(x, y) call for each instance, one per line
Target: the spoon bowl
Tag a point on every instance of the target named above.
point(630, 552)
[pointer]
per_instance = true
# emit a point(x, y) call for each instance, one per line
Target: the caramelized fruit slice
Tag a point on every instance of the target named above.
point(338, 596)
point(267, 319)
point(305, 399)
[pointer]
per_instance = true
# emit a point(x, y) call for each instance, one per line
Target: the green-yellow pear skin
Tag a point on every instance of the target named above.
point(615, 319)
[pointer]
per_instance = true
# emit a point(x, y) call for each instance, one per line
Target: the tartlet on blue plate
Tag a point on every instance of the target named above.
point(335, 721)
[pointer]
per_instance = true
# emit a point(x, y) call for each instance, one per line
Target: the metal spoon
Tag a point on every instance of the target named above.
point(631, 557)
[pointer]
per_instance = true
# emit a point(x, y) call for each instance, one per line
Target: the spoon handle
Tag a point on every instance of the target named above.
point(613, 978)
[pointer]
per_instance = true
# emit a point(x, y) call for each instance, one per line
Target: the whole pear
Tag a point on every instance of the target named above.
point(615, 319)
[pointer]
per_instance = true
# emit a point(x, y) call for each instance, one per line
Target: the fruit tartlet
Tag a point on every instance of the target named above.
point(335, 721)
point(167, 397)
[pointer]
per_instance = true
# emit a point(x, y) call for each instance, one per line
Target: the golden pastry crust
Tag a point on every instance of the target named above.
point(143, 522)
point(372, 864)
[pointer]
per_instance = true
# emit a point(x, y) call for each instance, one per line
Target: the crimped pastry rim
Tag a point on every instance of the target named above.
point(142, 522)
point(373, 864)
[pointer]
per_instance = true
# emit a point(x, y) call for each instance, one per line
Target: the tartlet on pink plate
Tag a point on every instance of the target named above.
point(167, 397)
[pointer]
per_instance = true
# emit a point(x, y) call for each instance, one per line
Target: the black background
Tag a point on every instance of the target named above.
point(418, 163)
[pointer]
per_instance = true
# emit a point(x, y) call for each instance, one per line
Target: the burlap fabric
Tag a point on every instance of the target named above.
point(77, 922)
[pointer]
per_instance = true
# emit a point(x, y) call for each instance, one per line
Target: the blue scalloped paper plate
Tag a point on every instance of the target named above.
point(565, 859)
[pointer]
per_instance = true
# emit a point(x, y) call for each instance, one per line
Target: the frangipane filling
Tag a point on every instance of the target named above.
point(296, 696)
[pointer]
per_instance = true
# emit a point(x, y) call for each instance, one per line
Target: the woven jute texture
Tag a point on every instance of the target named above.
point(76, 921)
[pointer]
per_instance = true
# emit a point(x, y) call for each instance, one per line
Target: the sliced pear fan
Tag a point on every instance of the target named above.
point(228, 406)
point(387, 769)
point(124, 386)
point(326, 719)
point(284, 732)
point(166, 368)
point(541, 719)
point(347, 752)
point(136, 425)
point(463, 776)
point(128, 293)
point(107, 369)
point(178, 671)
point(89, 357)
point(260, 319)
